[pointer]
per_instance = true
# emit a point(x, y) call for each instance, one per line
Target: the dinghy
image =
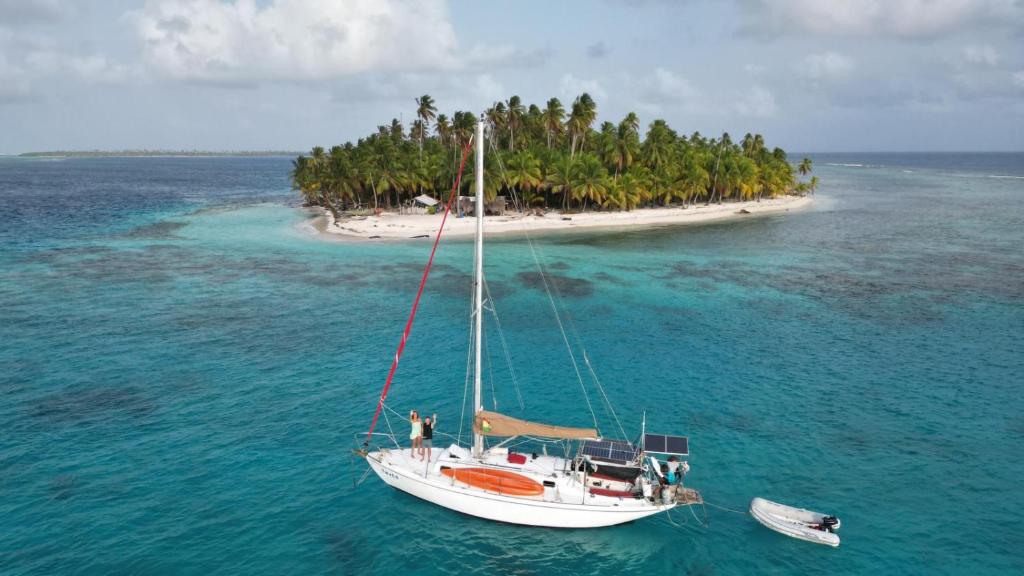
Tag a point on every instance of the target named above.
point(796, 522)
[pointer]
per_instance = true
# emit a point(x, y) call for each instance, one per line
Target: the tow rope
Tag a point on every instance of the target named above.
point(419, 293)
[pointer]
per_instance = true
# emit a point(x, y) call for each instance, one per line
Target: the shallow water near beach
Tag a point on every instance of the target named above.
point(185, 365)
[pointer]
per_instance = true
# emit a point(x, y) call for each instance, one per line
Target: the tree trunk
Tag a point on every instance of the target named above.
point(330, 206)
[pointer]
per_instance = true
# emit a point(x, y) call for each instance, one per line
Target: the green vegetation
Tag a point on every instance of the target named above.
point(546, 157)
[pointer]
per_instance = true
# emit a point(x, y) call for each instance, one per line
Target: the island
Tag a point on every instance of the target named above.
point(547, 168)
point(154, 153)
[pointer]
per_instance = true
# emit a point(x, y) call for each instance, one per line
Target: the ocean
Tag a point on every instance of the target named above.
point(185, 366)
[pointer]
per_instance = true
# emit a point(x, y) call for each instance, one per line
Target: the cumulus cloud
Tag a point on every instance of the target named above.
point(488, 56)
point(1018, 79)
point(981, 55)
point(30, 61)
point(901, 18)
point(757, 102)
point(754, 69)
point(569, 87)
point(241, 40)
point(487, 89)
point(460, 90)
point(819, 70)
point(826, 65)
point(663, 90)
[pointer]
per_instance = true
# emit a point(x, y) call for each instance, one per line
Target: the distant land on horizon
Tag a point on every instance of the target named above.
point(126, 153)
point(293, 153)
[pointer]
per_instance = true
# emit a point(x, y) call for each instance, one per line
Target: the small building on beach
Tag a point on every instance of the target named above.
point(424, 201)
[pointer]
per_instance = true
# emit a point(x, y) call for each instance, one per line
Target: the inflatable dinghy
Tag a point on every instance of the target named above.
point(796, 522)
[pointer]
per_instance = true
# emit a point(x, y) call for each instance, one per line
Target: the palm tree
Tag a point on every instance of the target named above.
point(514, 119)
point(628, 192)
point(805, 167)
point(656, 148)
point(522, 171)
point(627, 142)
point(553, 115)
point(533, 125)
point(301, 177)
point(397, 130)
point(496, 116)
point(591, 180)
point(425, 111)
point(584, 112)
point(443, 129)
point(562, 177)
point(615, 167)
point(418, 131)
point(463, 125)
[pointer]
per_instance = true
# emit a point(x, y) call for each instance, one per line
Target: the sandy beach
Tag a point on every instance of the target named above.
point(393, 226)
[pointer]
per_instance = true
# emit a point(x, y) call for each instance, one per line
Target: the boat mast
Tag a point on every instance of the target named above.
point(478, 298)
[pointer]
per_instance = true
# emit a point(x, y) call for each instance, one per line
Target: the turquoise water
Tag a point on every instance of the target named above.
point(184, 367)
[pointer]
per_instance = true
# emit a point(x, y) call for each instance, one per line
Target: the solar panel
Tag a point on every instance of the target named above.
point(610, 450)
point(662, 444)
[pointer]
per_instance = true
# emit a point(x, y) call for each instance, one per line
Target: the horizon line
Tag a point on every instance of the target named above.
point(284, 151)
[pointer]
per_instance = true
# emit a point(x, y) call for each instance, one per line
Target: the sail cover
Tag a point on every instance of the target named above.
point(494, 424)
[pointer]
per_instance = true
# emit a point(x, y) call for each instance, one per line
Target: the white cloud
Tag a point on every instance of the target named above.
point(757, 102)
point(90, 68)
point(1018, 79)
point(34, 65)
point(755, 69)
point(984, 55)
point(241, 40)
point(902, 18)
point(668, 84)
point(96, 68)
point(825, 67)
point(487, 89)
point(569, 87)
point(664, 90)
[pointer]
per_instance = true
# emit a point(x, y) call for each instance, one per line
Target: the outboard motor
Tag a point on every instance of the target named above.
point(830, 523)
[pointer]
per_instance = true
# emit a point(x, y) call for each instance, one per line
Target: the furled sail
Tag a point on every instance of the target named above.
point(494, 424)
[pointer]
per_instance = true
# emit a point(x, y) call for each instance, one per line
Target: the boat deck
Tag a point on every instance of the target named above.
point(560, 486)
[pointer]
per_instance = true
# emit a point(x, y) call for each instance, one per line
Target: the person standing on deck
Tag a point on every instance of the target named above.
point(428, 436)
point(416, 433)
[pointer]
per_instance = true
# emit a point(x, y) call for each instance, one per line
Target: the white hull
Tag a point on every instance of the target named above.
point(793, 522)
point(514, 510)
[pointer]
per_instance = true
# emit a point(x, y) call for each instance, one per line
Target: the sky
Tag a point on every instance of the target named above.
point(810, 75)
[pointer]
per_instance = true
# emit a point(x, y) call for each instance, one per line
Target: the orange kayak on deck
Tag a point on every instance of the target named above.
point(500, 481)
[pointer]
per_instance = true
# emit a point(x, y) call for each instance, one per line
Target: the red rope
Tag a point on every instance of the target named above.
point(416, 302)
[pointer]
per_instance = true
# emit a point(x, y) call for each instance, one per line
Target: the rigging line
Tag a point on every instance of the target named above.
point(419, 294)
point(465, 386)
point(406, 419)
point(490, 369)
point(504, 346)
point(554, 309)
point(579, 342)
point(727, 509)
point(586, 359)
point(390, 430)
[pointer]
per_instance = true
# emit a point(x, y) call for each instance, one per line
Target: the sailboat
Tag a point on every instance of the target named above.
point(597, 482)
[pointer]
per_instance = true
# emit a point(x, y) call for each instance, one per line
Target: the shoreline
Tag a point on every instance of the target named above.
point(391, 226)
